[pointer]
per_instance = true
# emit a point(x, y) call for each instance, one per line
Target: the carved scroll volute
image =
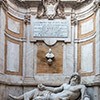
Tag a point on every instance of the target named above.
point(27, 19)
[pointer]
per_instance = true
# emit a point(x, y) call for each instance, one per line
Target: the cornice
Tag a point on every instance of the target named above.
point(4, 4)
point(84, 12)
point(75, 4)
point(23, 39)
point(61, 0)
point(25, 4)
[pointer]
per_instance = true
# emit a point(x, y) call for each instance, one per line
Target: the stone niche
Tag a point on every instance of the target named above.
point(42, 43)
point(56, 65)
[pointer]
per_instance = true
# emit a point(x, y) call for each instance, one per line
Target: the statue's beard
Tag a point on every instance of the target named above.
point(74, 82)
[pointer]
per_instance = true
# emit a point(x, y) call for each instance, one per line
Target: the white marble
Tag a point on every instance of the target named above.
point(28, 55)
point(87, 79)
point(40, 0)
point(29, 61)
point(87, 27)
point(87, 58)
point(15, 13)
point(13, 26)
point(16, 10)
point(69, 59)
point(44, 29)
point(12, 57)
point(85, 11)
point(0, 19)
point(2, 40)
point(98, 42)
point(2, 89)
point(50, 41)
point(51, 28)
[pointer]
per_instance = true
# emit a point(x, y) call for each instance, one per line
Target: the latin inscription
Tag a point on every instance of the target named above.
point(51, 28)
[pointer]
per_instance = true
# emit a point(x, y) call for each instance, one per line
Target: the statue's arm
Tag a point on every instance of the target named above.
point(83, 90)
point(52, 89)
point(55, 90)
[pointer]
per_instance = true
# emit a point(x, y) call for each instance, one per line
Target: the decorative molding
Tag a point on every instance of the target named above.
point(21, 26)
point(27, 19)
point(74, 20)
point(97, 78)
point(15, 12)
point(91, 32)
point(50, 9)
point(79, 58)
point(4, 4)
point(23, 39)
point(51, 31)
point(97, 5)
point(20, 56)
point(88, 11)
point(85, 39)
point(62, 0)
point(34, 3)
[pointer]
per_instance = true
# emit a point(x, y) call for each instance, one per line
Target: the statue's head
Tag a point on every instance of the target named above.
point(75, 78)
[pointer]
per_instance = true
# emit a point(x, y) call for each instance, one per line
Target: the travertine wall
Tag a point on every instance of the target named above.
point(23, 64)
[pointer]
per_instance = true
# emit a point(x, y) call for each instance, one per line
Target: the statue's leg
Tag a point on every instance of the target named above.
point(26, 97)
point(30, 94)
point(61, 98)
point(17, 98)
point(40, 98)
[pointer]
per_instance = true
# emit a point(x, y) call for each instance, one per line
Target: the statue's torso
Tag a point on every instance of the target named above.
point(73, 92)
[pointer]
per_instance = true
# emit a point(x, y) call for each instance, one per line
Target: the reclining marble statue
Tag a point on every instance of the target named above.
point(71, 91)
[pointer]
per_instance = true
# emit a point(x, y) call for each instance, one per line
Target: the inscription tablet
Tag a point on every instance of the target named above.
point(51, 28)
